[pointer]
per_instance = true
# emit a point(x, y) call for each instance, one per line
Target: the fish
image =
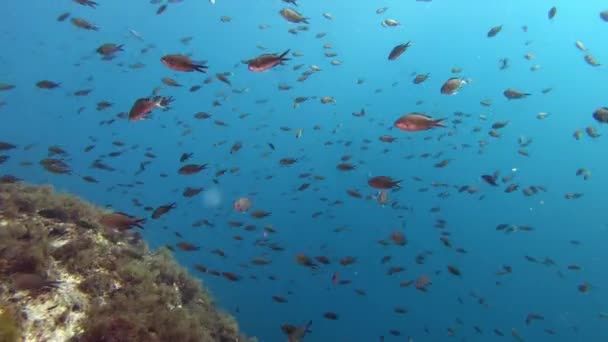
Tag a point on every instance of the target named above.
point(136, 34)
point(293, 16)
point(453, 85)
point(46, 84)
point(162, 210)
point(89, 3)
point(490, 179)
point(182, 63)
point(390, 23)
point(420, 78)
point(191, 169)
point(383, 183)
point(398, 50)
point(83, 24)
point(494, 31)
point(297, 333)
point(142, 107)
point(109, 49)
point(413, 122)
point(121, 221)
point(514, 94)
point(552, 12)
point(266, 61)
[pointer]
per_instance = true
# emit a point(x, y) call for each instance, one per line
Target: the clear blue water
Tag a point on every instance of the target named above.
point(445, 34)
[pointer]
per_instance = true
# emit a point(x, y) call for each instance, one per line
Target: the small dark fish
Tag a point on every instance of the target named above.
point(514, 94)
point(4, 146)
point(191, 192)
point(32, 282)
point(601, 115)
point(494, 31)
point(185, 157)
point(89, 3)
point(83, 24)
point(490, 179)
point(162, 210)
point(55, 166)
point(190, 169)
point(331, 316)
point(398, 50)
point(454, 270)
point(552, 12)
point(187, 247)
point(54, 214)
point(63, 16)
point(46, 84)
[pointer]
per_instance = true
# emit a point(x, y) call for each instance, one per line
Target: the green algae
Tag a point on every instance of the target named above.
point(9, 327)
point(129, 293)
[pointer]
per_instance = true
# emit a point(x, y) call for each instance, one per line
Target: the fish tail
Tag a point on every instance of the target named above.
point(282, 56)
point(139, 223)
point(438, 122)
point(200, 67)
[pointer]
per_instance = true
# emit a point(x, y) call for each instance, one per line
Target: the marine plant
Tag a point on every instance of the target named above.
point(9, 326)
point(128, 293)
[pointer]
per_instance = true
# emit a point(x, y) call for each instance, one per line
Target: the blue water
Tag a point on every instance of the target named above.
point(445, 34)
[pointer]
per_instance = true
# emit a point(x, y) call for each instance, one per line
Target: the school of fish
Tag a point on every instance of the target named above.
point(326, 160)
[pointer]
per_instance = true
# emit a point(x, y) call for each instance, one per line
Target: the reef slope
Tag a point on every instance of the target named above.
point(64, 277)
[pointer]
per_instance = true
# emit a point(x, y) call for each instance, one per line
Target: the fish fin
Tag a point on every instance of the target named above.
point(438, 123)
point(123, 213)
point(139, 223)
point(308, 326)
point(200, 68)
point(282, 56)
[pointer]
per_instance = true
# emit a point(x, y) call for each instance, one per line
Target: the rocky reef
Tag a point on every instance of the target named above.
point(66, 277)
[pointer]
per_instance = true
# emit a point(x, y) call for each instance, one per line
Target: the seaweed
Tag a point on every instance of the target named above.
point(10, 330)
point(129, 292)
point(23, 249)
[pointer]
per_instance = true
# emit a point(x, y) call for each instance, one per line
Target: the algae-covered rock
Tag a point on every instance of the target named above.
point(9, 327)
point(69, 278)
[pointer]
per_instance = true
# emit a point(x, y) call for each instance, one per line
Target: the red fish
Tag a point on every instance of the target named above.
point(417, 122)
point(182, 63)
point(121, 221)
point(266, 61)
point(144, 106)
point(383, 182)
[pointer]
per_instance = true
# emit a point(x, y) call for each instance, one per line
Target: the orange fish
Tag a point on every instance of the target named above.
point(144, 106)
point(182, 63)
point(121, 221)
point(266, 61)
point(417, 122)
point(383, 182)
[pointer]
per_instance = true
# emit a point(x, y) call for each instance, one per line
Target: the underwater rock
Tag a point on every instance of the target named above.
point(62, 280)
